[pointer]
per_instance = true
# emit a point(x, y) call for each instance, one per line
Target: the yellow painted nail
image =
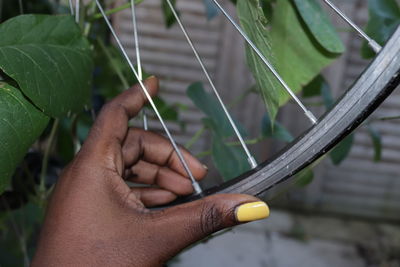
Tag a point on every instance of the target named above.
point(252, 211)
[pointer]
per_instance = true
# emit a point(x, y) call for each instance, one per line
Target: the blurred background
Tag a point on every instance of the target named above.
point(346, 215)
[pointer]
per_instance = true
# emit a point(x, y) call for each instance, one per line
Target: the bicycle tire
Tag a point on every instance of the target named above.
point(374, 85)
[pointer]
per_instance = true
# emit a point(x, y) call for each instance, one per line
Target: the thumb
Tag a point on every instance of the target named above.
point(193, 221)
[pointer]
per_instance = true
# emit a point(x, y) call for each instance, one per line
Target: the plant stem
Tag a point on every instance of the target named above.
point(113, 10)
point(45, 162)
point(239, 99)
point(195, 138)
point(389, 118)
point(115, 66)
point(90, 9)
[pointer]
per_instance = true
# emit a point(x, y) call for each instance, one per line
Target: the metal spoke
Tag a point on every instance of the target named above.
point(307, 112)
point(196, 186)
point(77, 8)
point(138, 60)
point(71, 7)
point(371, 42)
point(250, 158)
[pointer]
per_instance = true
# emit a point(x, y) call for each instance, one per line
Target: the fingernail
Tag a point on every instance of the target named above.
point(151, 77)
point(205, 167)
point(252, 211)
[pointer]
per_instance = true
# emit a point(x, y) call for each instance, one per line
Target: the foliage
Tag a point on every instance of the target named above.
point(169, 17)
point(384, 20)
point(318, 23)
point(275, 130)
point(287, 42)
point(49, 59)
point(20, 125)
point(221, 129)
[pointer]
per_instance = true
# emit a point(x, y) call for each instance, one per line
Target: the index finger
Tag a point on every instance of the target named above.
point(112, 123)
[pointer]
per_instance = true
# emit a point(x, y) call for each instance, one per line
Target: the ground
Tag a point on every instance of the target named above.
point(287, 239)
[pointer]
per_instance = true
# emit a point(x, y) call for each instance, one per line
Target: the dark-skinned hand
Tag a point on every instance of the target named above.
point(95, 219)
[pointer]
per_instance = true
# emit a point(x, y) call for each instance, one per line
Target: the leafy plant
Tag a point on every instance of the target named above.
point(49, 62)
point(384, 19)
point(287, 42)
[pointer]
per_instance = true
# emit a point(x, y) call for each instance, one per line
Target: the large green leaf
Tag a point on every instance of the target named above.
point(210, 106)
point(383, 21)
point(49, 59)
point(254, 23)
point(20, 125)
point(231, 161)
point(320, 26)
point(289, 46)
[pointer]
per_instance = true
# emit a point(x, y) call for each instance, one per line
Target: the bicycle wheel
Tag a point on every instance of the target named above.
point(375, 84)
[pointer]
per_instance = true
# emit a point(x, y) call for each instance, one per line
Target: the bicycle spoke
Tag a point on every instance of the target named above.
point(138, 59)
point(307, 112)
point(371, 42)
point(250, 158)
point(71, 7)
point(77, 8)
point(195, 184)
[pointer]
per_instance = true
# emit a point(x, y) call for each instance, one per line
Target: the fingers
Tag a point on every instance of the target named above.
point(199, 219)
point(112, 123)
point(151, 174)
point(151, 197)
point(158, 150)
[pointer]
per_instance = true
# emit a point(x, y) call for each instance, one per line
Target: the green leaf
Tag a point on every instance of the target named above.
point(254, 22)
point(319, 25)
point(20, 125)
point(384, 18)
point(169, 17)
point(276, 130)
point(377, 142)
point(305, 177)
point(314, 88)
point(231, 161)
point(342, 150)
point(49, 59)
point(210, 106)
point(287, 43)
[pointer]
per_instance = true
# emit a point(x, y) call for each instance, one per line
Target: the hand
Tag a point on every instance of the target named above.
point(95, 219)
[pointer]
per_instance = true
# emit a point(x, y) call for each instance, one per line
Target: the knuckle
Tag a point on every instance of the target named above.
point(212, 218)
